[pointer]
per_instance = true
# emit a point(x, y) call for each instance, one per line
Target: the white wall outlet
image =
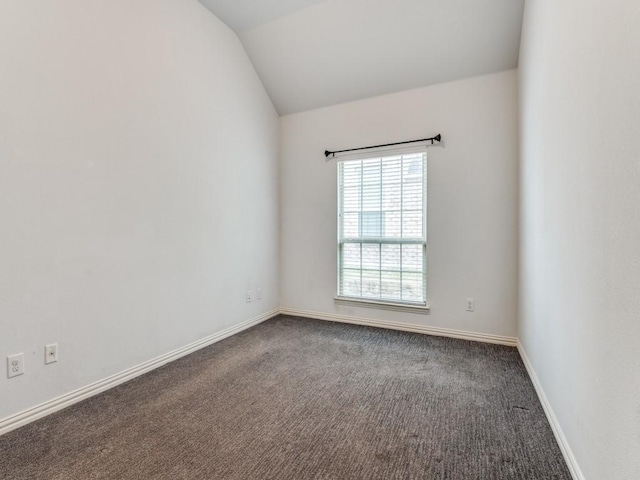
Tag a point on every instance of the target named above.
point(258, 294)
point(51, 353)
point(15, 365)
point(249, 296)
point(470, 305)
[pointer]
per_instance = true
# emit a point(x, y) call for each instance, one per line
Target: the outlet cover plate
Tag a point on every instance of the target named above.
point(15, 365)
point(471, 305)
point(51, 353)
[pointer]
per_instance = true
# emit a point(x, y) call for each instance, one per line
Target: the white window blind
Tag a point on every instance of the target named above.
point(382, 237)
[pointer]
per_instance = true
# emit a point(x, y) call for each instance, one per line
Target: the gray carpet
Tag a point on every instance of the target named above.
point(304, 399)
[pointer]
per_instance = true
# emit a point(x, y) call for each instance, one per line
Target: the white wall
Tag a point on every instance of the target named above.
point(138, 187)
point(472, 199)
point(580, 224)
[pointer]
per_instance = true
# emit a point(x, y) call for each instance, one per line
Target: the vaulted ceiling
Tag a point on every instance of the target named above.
point(315, 53)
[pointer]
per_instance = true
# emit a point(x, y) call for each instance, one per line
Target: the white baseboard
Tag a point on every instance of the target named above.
point(567, 453)
point(51, 406)
point(406, 327)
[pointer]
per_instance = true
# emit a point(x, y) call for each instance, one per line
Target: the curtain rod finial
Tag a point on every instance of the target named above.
point(327, 153)
point(438, 138)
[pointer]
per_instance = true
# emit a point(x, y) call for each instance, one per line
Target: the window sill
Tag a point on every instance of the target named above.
point(398, 307)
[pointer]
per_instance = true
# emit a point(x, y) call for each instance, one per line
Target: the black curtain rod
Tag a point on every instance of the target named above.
point(437, 138)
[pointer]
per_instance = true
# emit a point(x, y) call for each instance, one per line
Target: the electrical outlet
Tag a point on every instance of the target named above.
point(15, 365)
point(470, 305)
point(51, 353)
point(249, 296)
point(258, 294)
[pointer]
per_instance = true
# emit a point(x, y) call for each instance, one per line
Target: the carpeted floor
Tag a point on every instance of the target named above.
point(304, 399)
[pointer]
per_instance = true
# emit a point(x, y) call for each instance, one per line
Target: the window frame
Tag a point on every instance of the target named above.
point(381, 302)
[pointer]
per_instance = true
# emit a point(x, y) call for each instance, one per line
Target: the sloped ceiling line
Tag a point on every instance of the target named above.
point(315, 53)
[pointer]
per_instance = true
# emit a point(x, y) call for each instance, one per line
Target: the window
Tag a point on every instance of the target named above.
point(382, 239)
